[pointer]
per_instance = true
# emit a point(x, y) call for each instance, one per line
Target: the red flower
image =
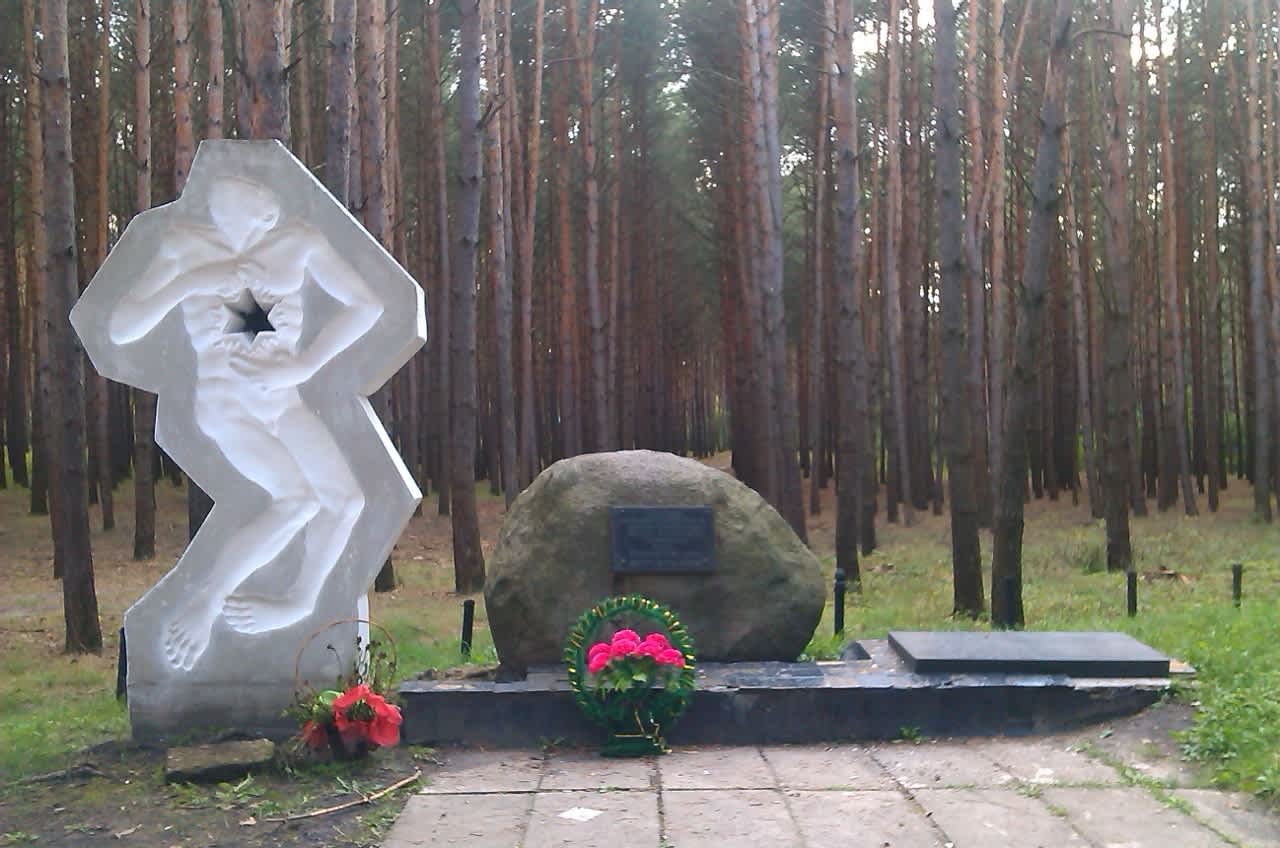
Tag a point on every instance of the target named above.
point(657, 639)
point(598, 648)
point(597, 662)
point(315, 735)
point(623, 648)
point(626, 636)
point(361, 713)
point(650, 649)
point(384, 730)
point(671, 657)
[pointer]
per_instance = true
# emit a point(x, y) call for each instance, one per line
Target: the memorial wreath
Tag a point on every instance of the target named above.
point(630, 662)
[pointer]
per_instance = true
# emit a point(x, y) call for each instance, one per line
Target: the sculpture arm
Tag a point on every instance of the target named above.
point(359, 313)
point(146, 304)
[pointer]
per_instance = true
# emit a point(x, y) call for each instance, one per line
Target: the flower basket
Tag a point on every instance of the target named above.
point(354, 717)
point(631, 668)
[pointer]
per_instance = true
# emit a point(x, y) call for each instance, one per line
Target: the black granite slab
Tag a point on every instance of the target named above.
point(1093, 654)
point(774, 703)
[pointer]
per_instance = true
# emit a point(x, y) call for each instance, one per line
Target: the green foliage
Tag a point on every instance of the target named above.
point(1237, 729)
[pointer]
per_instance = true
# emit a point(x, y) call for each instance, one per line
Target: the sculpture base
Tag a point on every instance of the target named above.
point(240, 698)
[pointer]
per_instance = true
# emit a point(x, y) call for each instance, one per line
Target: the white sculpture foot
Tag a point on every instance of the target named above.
point(250, 614)
point(185, 639)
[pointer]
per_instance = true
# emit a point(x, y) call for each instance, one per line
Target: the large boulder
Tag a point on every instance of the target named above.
point(762, 601)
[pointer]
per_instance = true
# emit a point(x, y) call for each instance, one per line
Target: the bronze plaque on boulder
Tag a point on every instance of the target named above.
point(662, 539)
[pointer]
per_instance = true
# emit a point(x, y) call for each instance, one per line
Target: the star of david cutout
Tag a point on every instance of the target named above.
point(248, 316)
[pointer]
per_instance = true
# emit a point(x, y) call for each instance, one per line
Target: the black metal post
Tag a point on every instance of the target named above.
point(1237, 583)
point(841, 584)
point(1131, 584)
point(122, 672)
point(468, 624)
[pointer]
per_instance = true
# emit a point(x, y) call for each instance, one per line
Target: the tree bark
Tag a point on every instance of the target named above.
point(1175, 369)
point(263, 36)
point(1080, 316)
point(468, 560)
point(975, 214)
point(852, 458)
point(966, 551)
point(1117, 299)
point(69, 514)
point(1006, 565)
point(144, 403)
point(1256, 202)
point(817, 389)
point(444, 267)
point(892, 283)
point(782, 408)
point(12, 365)
point(498, 78)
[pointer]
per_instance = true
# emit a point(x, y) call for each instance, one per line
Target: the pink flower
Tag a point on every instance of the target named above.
point(657, 639)
point(671, 657)
point(597, 649)
point(626, 636)
point(650, 649)
point(623, 647)
point(597, 663)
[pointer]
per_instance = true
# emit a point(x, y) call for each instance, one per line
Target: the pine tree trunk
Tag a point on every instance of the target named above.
point(70, 510)
point(966, 552)
point(782, 408)
point(892, 282)
point(852, 458)
point(1006, 565)
point(499, 222)
point(526, 225)
point(444, 268)
point(1080, 317)
point(215, 93)
point(1175, 369)
point(1214, 470)
point(567, 363)
point(817, 389)
point(1256, 212)
point(17, 409)
point(262, 25)
point(12, 376)
point(144, 403)
point(468, 560)
point(975, 214)
point(1117, 300)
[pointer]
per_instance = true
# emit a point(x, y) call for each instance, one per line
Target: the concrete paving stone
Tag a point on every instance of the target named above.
point(1129, 817)
point(1235, 815)
point(938, 765)
point(588, 771)
point(486, 771)
point(1146, 743)
point(826, 767)
point(603, 820)
point(1048, 762)
point(715, 768)
point(474, 821)
point(997, 818)
point(714, 818)
point(872, 819)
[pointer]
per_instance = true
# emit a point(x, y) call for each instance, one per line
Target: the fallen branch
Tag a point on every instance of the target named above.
point(337, 808)
point(77, 770)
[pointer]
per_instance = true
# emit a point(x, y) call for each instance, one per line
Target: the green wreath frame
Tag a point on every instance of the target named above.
point(636, 726)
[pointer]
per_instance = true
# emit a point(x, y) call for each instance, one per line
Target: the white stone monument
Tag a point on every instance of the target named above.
point(262, 314)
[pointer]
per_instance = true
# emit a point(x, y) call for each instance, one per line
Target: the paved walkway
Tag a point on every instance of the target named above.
point(1089, 790)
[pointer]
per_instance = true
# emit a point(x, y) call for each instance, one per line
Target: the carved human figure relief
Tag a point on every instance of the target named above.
point(262, 315)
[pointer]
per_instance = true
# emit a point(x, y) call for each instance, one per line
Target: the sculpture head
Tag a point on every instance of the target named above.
point(242, 210)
